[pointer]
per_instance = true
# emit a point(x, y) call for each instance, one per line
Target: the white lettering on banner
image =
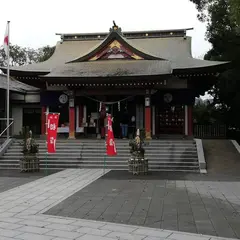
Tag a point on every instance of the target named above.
point(52, 140)
point(109, 127)
point(53, 126)
point(112, 143)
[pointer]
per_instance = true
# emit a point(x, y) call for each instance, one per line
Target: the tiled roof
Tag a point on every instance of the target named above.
point(177, 50)
point(112, 68)
point(15, 85)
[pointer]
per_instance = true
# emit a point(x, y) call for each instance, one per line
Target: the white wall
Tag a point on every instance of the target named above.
point(28, 98)
point(17, 115)
point(32, 98)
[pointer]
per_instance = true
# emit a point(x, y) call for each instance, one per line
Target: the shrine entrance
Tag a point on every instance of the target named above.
point(91, 114)
point(170, 119)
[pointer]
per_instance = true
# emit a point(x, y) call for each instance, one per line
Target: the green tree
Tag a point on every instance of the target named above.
point(223, 34)
point(22, 56)
point(17, 54)
point(45, 53)
point(205, 112)
point(233, 6)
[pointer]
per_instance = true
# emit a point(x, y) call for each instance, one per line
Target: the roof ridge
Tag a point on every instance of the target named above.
point(126, 32)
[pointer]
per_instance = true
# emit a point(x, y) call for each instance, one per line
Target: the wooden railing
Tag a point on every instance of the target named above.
point(210, 131)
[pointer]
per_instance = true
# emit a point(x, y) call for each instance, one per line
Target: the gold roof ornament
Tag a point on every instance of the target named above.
point(115, 28)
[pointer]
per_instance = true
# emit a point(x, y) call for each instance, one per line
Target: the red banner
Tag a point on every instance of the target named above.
point(111, 147)
point(52, 126)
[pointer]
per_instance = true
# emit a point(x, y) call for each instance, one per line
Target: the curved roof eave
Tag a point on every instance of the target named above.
point(208, 66)
point(25, 72)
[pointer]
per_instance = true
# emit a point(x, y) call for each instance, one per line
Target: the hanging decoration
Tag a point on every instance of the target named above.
point(100, 106)
point(103, 110)
point(119, 106)
point(109, 103)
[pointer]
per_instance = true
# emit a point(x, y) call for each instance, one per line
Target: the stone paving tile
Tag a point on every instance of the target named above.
point(125, 236)
point(9, 233)
point(119, 228)
point(92, 231)
point(93, 237)
point(64, 234)
point(7, 183)
point(63, 227)
point(34, 223)
point(152, 233)
point(32, 236)
point(12, 226)
point(187, 206)
point(6, 238)
point(32, 229)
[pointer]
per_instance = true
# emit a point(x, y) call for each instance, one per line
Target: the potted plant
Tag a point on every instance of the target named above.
point(30, 161)
point(137, 163)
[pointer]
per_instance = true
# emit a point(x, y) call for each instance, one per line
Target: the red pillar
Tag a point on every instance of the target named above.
point(43, 120)
point(190, 121)
point(148, 119)
point(71, 122)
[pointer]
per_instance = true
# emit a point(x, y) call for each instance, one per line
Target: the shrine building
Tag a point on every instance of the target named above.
point(151, 75)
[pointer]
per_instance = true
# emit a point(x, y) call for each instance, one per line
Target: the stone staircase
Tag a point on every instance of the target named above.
point(163, 155)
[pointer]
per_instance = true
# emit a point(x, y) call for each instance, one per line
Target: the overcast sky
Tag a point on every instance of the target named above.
point(35, 22)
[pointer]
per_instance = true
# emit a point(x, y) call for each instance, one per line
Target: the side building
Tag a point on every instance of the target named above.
point(25, 107)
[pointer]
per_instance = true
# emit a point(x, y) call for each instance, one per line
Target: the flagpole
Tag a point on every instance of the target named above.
point(8, 73)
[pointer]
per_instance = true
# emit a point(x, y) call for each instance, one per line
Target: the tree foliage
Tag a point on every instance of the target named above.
point(203, 7)
point(224, 35)
point(21, 56)
point(207, 113)
point(45, 53)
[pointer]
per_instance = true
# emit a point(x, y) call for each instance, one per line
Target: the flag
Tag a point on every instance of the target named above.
point(6, 48)
point(111, 146)
point(52, 126)
point(6, 39)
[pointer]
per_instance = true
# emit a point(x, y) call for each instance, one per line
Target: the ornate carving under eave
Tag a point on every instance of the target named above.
point(115, 50)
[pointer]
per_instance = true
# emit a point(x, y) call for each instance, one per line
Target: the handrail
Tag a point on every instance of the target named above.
point(6, 129)
point(4, 119)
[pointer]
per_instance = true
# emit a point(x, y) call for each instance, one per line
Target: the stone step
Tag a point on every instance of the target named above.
point(117, 143)
point(110, 161)
point(65, 146)
point(54, 157)
point(120, 168)
point(90, 164)
point(97, 153)
point(103, 150)
point(170, 155)
point(116, 140)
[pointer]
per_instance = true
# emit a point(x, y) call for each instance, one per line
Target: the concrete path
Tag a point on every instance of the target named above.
point(21, 215)
point(222, 157)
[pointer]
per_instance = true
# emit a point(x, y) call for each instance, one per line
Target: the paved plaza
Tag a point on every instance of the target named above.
point(11, 179)
point(22, 208)
point(204, 207)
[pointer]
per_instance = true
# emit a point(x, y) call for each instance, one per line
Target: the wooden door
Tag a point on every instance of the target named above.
point(170, 119)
